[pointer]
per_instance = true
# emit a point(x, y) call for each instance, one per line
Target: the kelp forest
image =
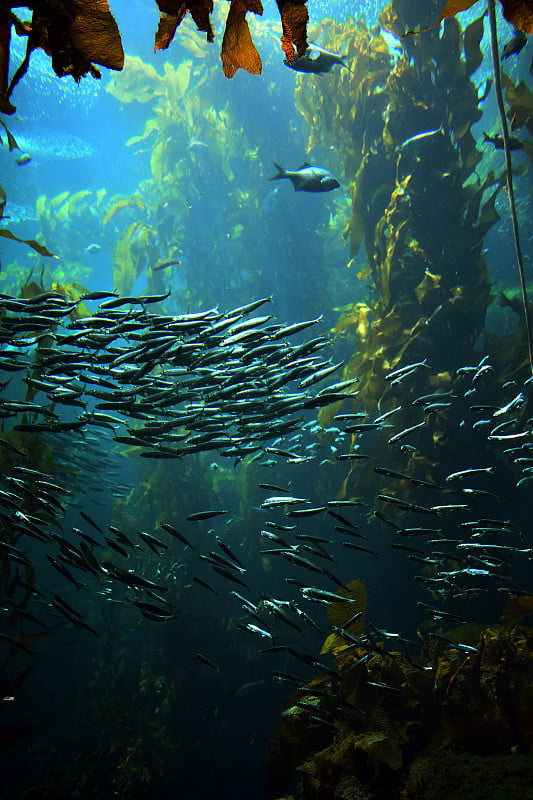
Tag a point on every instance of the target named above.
point(241, 556)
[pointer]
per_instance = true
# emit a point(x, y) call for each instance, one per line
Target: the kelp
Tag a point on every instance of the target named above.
point(39, 248)
point(192, 145)
point(519, 98)
point(238, 49)
point(419, 209)
point(4, 232)
point(79, 35)
point(75, 35)
point(72, 221)
point(339, 614)
point(7, 234)
point(131, 255)
point(506, 141)
point(517, 12)
point(470, 706)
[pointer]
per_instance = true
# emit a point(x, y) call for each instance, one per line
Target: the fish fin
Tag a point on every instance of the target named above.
point(305, 165)
point(279, 174)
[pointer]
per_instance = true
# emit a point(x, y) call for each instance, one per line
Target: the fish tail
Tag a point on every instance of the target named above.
point(279, 174)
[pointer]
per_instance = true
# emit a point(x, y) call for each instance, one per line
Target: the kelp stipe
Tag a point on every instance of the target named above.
point(509, 170)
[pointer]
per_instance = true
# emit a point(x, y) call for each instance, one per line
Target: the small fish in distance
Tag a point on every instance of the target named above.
point(165, 264)
point(207, 661)
point(24, 158)
point(307, 178)
point(423, 137)
point(316, 60)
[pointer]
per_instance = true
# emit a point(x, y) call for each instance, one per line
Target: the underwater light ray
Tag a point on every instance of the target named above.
point(509, 170)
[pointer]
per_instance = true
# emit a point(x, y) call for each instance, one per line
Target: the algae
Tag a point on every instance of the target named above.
point(403, 724)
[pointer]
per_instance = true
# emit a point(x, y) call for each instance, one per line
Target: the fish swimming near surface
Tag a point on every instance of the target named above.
point(317, 60)
point(307, 178)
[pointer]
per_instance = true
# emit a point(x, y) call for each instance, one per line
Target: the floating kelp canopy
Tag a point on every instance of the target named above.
point(80, 34)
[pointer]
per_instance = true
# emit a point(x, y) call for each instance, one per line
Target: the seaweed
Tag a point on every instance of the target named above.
point(400, 724)
point(421, 206)
point(516, 12)
point(78, 36)
point(189, 136)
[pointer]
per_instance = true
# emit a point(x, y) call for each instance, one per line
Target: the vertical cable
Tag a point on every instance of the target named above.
point(509, 170)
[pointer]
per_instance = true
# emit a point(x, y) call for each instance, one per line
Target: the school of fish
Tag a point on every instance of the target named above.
point(176, 385)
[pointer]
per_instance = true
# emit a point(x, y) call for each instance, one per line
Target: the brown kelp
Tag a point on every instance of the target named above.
point(77, 36)
point(418, 205)
point(392, 727)
point(517, 13)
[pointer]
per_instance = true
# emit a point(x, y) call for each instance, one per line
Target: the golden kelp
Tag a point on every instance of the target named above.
point(238, 49)
point(418, 205)
point(132, 254)
point(339, 614)
point(473, 704)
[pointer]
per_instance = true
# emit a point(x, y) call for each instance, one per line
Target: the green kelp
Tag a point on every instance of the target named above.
point(72, 222)
point(80, 224)
point(396, 724)
point(181, 126)
point(195, 139)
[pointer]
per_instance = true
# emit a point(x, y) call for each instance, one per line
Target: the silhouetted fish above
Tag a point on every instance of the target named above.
point(307, 178)
point(316, 60)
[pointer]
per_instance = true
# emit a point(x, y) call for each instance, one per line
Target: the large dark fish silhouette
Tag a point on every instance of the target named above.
point(316, 60)
point(307, 178)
